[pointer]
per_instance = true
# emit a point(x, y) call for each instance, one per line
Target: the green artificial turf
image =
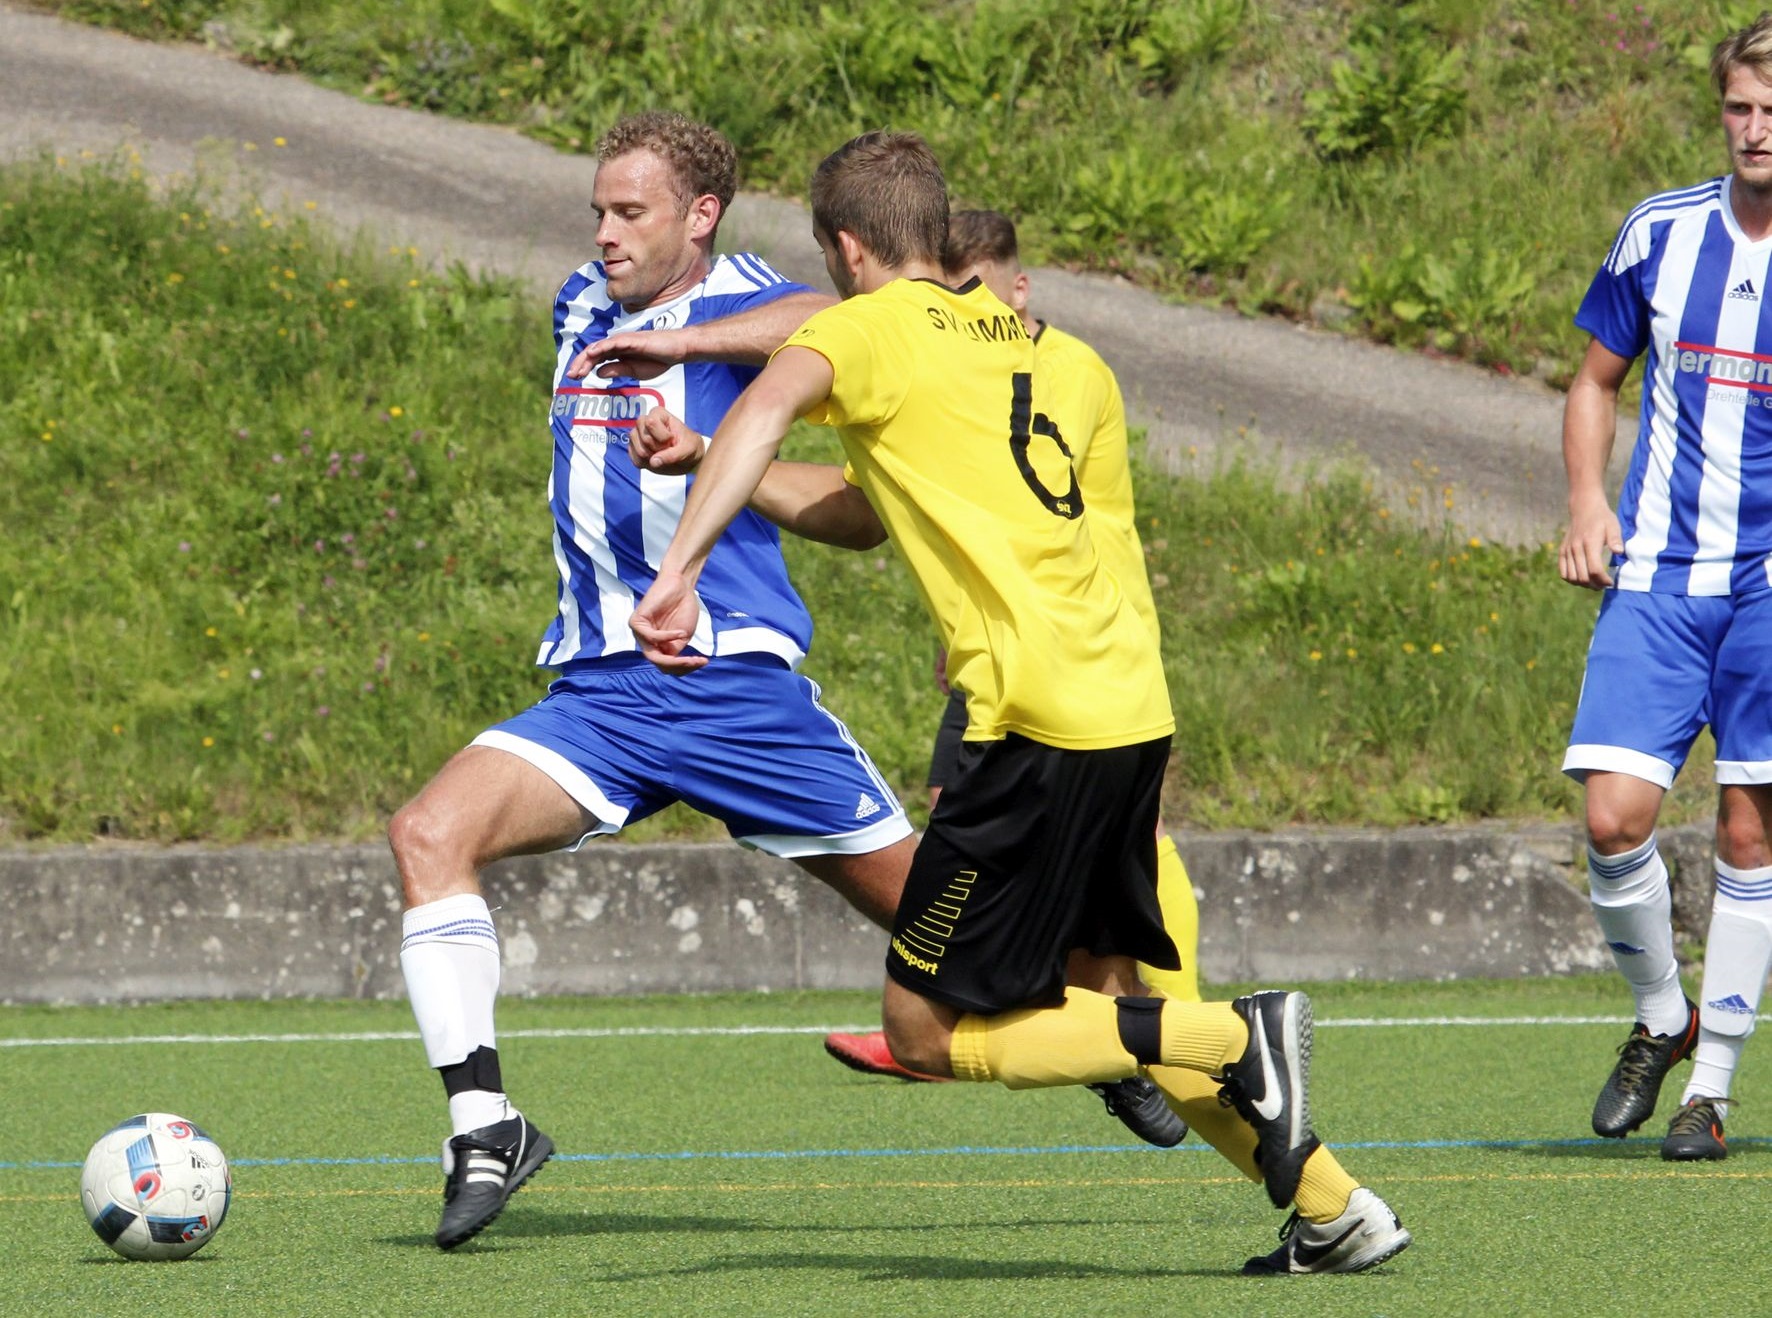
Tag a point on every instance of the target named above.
point(745, 1173)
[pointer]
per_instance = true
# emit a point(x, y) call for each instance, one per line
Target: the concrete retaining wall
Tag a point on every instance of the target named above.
point(125, 924)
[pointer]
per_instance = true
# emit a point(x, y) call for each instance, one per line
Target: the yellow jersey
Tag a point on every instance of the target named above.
point(935, 399)
point(1080, 393)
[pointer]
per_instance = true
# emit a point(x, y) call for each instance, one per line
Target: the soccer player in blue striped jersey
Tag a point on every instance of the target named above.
point(1685, 628)
point(615, 740)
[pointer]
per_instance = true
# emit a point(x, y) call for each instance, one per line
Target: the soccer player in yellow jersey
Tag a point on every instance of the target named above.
point(1042, 852)
point(1082, 396)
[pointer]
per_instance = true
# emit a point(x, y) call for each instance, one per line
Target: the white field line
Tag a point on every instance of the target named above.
point(696, 1031)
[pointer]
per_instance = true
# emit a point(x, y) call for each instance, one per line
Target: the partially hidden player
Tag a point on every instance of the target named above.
point(1083, 397)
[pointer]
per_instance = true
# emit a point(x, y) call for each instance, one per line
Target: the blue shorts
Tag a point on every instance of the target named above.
point(1659, 669)
point(743, 740)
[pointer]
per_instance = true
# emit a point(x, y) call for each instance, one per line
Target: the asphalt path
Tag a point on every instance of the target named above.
point(1205, 382)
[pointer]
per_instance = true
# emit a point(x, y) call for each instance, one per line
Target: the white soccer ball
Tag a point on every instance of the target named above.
point(156, 1187)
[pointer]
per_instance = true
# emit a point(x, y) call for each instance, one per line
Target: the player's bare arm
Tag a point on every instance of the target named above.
point(748, 337)
point(795, 381)
point(808, 499)
point(1590, 420)
point(813, 501)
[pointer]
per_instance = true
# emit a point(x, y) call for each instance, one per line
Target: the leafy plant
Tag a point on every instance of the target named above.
point(1159, 202)
point(1399, 86)
point(1462, 297)
point(1179, 39)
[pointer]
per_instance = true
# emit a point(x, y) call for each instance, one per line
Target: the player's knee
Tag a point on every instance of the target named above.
point(919, 1033)
point(920, 1047)
point(1613, 828)
point(423, 844)
point(1741, 839)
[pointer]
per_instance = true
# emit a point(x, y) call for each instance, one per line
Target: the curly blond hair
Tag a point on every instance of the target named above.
point(702, 162)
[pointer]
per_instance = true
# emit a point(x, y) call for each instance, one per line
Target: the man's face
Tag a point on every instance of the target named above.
point(649, 251)
point(1747, 124)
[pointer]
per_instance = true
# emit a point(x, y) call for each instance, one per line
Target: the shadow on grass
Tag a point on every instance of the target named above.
point(543, 1223)
point(1641, 1149)
point(917, 1267)
point(107, 1260)
point(867, 1267)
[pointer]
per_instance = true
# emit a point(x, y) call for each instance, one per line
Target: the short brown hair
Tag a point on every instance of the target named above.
point(976, 237)
point(887, 190)
point(1751, 46)
point(702, 161)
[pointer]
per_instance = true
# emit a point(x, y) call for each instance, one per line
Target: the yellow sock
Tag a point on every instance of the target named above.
point(1324, 1187)
point(1203, 1036)
point(1194, 1097)
point(1181, 918)
point(1078, 1042)
point(1074, 1044)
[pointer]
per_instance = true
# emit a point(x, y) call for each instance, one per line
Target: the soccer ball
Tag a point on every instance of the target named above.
point(156, 1187)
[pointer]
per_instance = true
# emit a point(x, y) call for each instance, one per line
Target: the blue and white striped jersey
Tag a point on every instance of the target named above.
point(613, 521)
point(1684, 283)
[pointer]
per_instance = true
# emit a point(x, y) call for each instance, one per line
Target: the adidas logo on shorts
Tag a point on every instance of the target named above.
point(866, 806)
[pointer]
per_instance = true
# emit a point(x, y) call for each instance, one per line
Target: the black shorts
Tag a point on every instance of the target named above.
point(946, 755)
point(1031, 853)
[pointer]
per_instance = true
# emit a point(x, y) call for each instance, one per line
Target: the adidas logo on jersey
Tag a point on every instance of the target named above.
point(1745, 289)
point(1734, 1003)
point(866, 806)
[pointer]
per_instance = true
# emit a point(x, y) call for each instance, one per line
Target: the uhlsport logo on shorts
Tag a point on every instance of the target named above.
point(925, 939)
point(605, 409)
point(916, 962)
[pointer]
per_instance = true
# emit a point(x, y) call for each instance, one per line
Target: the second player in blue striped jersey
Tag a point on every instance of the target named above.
point(612, 519)
point(1685, 623)
point(1685, 288)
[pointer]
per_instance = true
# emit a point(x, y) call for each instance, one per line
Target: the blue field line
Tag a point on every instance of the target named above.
point(744, 1031)
point(960, 1150)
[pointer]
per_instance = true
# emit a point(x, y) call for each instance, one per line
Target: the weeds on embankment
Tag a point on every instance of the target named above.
point(275, 544)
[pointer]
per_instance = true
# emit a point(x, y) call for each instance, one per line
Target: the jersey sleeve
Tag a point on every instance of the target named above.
point(1615, 310)
point(715, 305)
point(868, 376)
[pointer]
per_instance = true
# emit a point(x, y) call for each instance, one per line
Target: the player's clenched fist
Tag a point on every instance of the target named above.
point(664, 621)
point(661, 442)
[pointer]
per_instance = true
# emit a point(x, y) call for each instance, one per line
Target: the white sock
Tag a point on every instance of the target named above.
point(474, 1108)
point(1737, 955)
point(1634, 910)
point(449, 955)
point(1713, 1066)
